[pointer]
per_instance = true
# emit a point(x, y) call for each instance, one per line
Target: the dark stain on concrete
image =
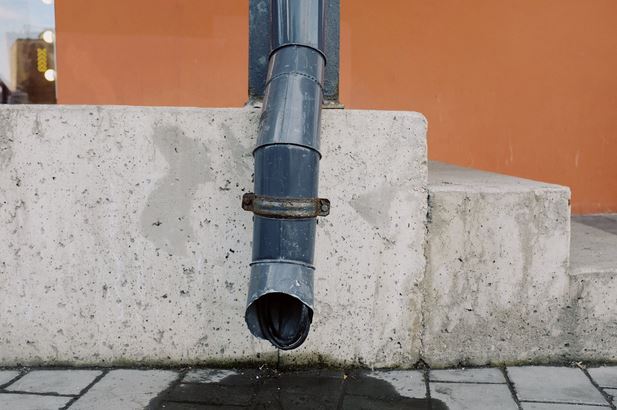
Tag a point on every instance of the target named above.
point(166, 219)
point(309, 389)
point(374, 206)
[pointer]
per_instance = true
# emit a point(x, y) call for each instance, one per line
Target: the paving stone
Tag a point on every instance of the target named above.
point(302, 390)
point(560, 406)
point(70, 382)
point(31, 402)
point(7, 375)
point(554, 384)
point(240, 377)
point(213, 394)
point(207, 375)
point(408, 383)
point(307, 389)
point(195, 406)
point(613, 394)
point(468, 375)
point(404, 403)
point(605, 376)
point(463, 396)
point(125, 390)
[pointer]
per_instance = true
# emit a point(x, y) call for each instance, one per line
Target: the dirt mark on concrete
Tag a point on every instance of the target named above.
point(165, 219)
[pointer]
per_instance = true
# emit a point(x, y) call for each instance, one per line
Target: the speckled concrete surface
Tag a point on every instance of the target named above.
point(593, 286)
point(496, 282)
point(124, 240)
point(594, 245)
point(124, 243)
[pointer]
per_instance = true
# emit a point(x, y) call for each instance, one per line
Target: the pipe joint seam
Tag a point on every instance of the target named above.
point(299, 74)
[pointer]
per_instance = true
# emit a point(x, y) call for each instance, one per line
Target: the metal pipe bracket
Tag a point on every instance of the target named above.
point(285, 208)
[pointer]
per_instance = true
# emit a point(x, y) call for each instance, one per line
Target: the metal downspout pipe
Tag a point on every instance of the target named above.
point(285, 202)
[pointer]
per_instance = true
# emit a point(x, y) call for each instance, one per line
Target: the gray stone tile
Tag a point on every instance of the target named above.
point(213, 394)
point(195, 406)
point(407, 383)
point(207, 375)
point(560, 406)
point(55, 381)
point(462, 396)
point(125, 390)
point(7, 375)
point(556, 384)
point(605, 376)
point(613, 394)
point(468, 375)
point(31, 402)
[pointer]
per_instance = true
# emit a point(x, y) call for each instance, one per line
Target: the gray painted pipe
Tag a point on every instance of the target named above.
point(285, 202)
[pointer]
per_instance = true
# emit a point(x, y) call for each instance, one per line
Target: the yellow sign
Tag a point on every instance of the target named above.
point(41, 60)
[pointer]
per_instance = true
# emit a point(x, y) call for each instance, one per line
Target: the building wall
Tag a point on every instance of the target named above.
point(152, 52)
point(526, 88)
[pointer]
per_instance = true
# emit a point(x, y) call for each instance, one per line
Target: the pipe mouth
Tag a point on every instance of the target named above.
point(283, 320)
point(280, 302)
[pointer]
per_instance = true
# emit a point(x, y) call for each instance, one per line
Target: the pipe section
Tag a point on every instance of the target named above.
point(285, 202)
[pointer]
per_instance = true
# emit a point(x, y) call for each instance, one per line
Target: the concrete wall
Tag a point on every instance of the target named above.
point(124, 241)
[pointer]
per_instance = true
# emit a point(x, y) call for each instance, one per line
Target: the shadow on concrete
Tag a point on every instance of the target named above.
point(312, 389)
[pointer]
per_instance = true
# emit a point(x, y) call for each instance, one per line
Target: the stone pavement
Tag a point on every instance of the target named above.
point(516, 388)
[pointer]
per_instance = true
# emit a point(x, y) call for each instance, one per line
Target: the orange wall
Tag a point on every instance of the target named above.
point(525, 87)
point(152, 52)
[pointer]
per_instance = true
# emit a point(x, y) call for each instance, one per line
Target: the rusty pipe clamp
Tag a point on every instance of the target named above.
point(285, 208)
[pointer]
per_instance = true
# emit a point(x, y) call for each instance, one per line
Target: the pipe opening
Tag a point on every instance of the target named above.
point(283, 319)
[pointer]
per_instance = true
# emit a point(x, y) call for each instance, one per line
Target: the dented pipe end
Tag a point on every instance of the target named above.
point(280, 303)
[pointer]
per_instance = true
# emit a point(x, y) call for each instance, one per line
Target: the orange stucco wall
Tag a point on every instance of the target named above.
point(526, 87)
point(152, 52)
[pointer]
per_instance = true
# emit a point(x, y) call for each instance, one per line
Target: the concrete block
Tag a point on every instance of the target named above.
point(496, 284)
point(467, 376)
point(125, 390)
point(593, 288)
point(124, 239)
point(464, 396)
point(69, 382)
point(554, 384)
point(593, 317)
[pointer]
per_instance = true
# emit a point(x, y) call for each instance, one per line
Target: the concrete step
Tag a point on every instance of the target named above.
point(594, 244)
point(496, 282)
point(593, 277)
point(124, 242)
